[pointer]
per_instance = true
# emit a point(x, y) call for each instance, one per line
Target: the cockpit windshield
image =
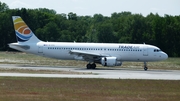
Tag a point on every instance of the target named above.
point(157, 50)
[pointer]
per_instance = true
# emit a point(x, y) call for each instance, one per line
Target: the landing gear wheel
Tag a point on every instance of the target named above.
point(145, 68)
point(91, 66)
point(88, 66)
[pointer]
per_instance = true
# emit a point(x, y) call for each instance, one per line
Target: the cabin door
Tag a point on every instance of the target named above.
point(145, 51)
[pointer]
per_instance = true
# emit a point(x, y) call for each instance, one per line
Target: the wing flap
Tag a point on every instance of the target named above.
point(83, 53)
point(87, 55)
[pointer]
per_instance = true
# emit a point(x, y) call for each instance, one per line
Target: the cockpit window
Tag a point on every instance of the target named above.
point(157, 50)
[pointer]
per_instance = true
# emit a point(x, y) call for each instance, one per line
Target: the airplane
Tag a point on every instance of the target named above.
point(106, 54)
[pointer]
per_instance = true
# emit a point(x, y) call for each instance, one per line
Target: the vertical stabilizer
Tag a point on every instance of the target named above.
point(23, 32)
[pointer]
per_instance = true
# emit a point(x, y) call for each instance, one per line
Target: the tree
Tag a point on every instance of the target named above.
point(50, 32)
point(98, 18)
point(45, 10)
point(123, 27)
point(3, 7)
point(72, 16)
point(137, 28)
point(105, 33)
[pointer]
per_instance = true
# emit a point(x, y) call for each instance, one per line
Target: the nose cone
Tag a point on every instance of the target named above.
point(164, 56)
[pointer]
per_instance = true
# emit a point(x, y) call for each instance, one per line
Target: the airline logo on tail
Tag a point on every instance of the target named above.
point(23, 32)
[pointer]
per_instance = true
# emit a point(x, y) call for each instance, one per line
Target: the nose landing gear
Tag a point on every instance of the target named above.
point(145, 66)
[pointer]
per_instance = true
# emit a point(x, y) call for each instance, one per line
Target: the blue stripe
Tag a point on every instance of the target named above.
point(20, 40)
point(22, 37)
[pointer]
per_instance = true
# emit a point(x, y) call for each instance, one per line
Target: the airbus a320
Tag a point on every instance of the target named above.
point(106, 54)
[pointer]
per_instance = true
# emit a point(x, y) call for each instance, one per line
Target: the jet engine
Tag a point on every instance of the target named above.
point(110, 61)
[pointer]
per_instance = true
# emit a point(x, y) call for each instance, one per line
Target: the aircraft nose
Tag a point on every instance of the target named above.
point(164, 56)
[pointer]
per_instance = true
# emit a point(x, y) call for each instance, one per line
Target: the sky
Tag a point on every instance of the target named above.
point(104, 7)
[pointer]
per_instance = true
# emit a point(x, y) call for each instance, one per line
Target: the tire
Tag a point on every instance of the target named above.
point(145, 68)
point(93, 66)
point(88, 66)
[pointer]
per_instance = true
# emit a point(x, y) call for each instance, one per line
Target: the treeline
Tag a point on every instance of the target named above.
point(123, 27)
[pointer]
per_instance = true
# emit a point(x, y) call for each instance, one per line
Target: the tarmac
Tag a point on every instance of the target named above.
point(104, 73)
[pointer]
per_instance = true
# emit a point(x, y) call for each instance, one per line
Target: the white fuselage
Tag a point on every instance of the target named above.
point(123, 52)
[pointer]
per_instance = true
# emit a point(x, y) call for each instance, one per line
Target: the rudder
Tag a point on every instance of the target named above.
point(22, 31)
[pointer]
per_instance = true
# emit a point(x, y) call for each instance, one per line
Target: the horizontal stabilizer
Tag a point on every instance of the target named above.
point(25, 47)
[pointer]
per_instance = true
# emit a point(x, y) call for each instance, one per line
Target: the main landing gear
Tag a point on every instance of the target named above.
point(145, 66)
point(91, 66)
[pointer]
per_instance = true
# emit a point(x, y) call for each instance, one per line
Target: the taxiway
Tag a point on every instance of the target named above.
point(106, 73)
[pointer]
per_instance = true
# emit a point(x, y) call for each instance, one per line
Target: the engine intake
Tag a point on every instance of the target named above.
point(110, 61)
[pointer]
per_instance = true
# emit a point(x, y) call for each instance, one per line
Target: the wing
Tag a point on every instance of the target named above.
point(88, 56)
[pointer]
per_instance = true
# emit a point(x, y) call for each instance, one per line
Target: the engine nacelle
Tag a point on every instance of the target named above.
point(110, 61)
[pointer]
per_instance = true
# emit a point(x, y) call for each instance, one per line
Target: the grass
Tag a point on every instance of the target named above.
point(54, 89)
point(33, 71)
point(30, 59)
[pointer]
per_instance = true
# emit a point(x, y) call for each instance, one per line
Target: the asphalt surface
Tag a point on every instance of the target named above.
point(106, 73)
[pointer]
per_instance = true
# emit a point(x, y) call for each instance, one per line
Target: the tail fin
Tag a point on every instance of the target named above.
point(23, 32)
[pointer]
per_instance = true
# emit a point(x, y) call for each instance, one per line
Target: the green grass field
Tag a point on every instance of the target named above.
point(66, 89)
point(56, 89)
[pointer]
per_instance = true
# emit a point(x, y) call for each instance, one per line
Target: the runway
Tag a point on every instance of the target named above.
point(105, 73)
